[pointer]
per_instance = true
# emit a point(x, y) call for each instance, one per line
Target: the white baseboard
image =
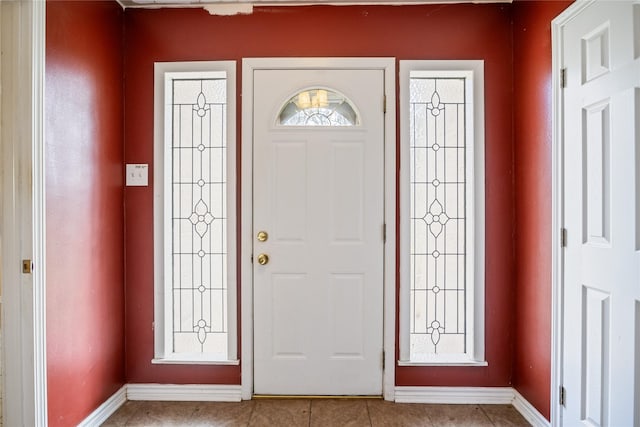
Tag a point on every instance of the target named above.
point(461, 395)
point(528, 411)
point(175, 392)
point(107, 409)
point(184, 392)
point(473, 395)
point(233, 393)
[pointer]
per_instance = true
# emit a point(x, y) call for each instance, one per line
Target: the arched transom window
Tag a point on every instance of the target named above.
point(318, 107)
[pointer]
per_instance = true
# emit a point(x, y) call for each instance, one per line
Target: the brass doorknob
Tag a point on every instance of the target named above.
point(263, 259)
point(262, 236)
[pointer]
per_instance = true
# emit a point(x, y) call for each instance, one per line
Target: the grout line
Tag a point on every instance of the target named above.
point(369, 414)
point(428, 414)
point(487, 415)
point(253, 409)
point(196, 408)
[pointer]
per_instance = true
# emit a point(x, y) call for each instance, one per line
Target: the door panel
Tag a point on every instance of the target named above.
point(319, 194)
point(597, 170)
point(346, 315)
point(290, 207)
point(595, 354)
point(601, 198)
point(347, 196)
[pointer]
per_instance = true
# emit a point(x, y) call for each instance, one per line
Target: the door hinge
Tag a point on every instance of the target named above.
point(384, 104)
point(383, 363)
point(384, 233)
point(562, 395)
point(563, 78)
point(563, 237)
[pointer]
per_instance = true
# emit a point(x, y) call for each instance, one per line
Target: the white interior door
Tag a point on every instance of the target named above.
point(319, 195)
point(601, 310)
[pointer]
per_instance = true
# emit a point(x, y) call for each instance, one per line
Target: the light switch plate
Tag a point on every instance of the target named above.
point(137, 175)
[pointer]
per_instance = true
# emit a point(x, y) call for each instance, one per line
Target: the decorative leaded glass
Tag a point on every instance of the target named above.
point(318, 107)
point(198, 215)
point(437, 192)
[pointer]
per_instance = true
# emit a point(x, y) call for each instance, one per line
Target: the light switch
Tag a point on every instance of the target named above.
point(137, 175)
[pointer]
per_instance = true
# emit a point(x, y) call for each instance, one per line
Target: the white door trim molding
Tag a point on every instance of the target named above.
point(246, 220)
point(23, 208)
point(557, 202)
point(39, 211)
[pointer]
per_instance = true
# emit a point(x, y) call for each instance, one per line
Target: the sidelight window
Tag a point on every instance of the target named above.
point(194, 213)
point(442, 304)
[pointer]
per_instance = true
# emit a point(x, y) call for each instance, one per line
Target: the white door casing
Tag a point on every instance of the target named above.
point(318, 193)
point(385, 331)
point(22, 229)
point(600, 362)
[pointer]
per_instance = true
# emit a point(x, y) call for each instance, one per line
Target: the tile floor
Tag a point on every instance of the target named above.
point(313, 413)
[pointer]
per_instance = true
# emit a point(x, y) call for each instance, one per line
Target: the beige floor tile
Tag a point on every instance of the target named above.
point(222, 414)
point(339, 413)
point(389, 414)
point(124, 413)
point(281, 413)
point(457, 416)
point(504, 416)
point(314, 413)
point(166, 414)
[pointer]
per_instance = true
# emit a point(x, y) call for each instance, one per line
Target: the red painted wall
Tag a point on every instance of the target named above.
point(84, 175)
point(85, 251)
point(533, 149)
point(407, 32)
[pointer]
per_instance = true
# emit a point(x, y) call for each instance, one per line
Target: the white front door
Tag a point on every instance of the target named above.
point(601, 310)
point(318, 194)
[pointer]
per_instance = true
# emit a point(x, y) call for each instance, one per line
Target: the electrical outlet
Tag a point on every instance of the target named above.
point(137, 175)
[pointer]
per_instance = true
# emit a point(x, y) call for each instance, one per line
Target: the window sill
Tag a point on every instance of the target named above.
point(443, 363)
point(176, 361)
